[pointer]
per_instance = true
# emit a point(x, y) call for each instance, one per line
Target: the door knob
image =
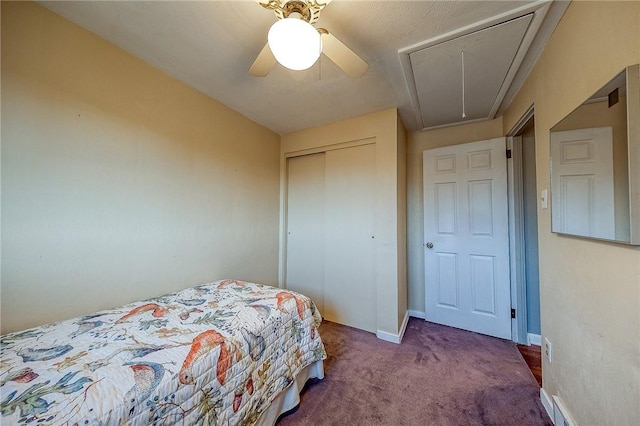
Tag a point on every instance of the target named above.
point(429, 245)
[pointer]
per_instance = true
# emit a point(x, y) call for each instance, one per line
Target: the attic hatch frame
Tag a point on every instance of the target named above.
point(539, 10)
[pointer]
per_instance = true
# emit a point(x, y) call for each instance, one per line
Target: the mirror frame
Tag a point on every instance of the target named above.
point(633, 148)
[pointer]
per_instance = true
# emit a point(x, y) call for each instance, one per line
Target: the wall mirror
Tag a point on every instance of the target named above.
point(595, 164)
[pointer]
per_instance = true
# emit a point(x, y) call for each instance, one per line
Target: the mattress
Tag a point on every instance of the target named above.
point(218, 353)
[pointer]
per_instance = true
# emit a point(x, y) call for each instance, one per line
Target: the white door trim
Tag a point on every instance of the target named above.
point(516, 229)
point(516, 240)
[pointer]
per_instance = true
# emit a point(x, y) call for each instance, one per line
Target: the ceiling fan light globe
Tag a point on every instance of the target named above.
point(295, 43)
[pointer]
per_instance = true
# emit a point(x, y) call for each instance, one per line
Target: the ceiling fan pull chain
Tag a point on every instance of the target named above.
point(463, 112)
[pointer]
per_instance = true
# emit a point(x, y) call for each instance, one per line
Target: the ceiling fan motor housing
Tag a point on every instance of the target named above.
point(309, 10)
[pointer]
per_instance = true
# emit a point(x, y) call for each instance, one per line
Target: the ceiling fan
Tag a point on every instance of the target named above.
point(295, 43)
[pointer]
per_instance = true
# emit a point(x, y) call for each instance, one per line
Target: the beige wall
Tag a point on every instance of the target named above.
point(383, 127)
point(589, 290)
point(418, 142)
point(118, 182)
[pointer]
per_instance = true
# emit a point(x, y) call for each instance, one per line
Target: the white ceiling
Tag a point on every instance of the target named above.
point(210, 46)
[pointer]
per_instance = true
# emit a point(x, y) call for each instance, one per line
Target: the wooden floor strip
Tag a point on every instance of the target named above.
point(533, 357)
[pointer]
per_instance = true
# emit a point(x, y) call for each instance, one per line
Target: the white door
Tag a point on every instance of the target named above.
point(305, 226)
point(350, 290)
point(466, 237)
point(582, 182)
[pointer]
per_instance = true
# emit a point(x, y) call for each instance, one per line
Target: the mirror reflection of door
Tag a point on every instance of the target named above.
point(582, 182)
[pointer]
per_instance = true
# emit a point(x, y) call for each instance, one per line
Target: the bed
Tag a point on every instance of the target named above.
point(229, 352)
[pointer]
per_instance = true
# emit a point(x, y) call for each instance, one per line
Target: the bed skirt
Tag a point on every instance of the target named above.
point(290, 397)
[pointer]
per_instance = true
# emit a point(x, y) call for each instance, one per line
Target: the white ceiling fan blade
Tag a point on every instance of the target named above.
point(342, 56)
point(263, 63)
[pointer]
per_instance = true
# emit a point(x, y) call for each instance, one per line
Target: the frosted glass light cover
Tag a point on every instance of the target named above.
point(295, 43)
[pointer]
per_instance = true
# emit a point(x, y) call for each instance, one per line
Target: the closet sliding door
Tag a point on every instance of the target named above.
point(330, 233)
point(305, 226)
point(349, 289)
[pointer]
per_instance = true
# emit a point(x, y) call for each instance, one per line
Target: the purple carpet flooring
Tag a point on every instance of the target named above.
point(438, 376)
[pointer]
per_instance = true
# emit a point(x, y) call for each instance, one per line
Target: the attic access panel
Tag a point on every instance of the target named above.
point(488, 56)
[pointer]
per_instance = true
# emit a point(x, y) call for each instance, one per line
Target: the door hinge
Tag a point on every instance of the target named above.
point(508, 153)
point(513, 313)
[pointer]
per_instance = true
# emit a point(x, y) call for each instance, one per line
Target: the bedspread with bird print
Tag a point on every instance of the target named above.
point(214, 354)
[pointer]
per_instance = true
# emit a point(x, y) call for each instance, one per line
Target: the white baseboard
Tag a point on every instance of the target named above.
point(388, 337)
point(547, 403)
point(561, 415)
point(403, 327)
point(534, 339)
point(394, 338)
point(417, 314)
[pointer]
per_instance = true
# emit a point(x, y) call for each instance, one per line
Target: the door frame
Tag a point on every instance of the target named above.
point(515, 196)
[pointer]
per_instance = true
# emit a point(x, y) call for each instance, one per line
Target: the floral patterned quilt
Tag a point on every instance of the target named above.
point(214, 354)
